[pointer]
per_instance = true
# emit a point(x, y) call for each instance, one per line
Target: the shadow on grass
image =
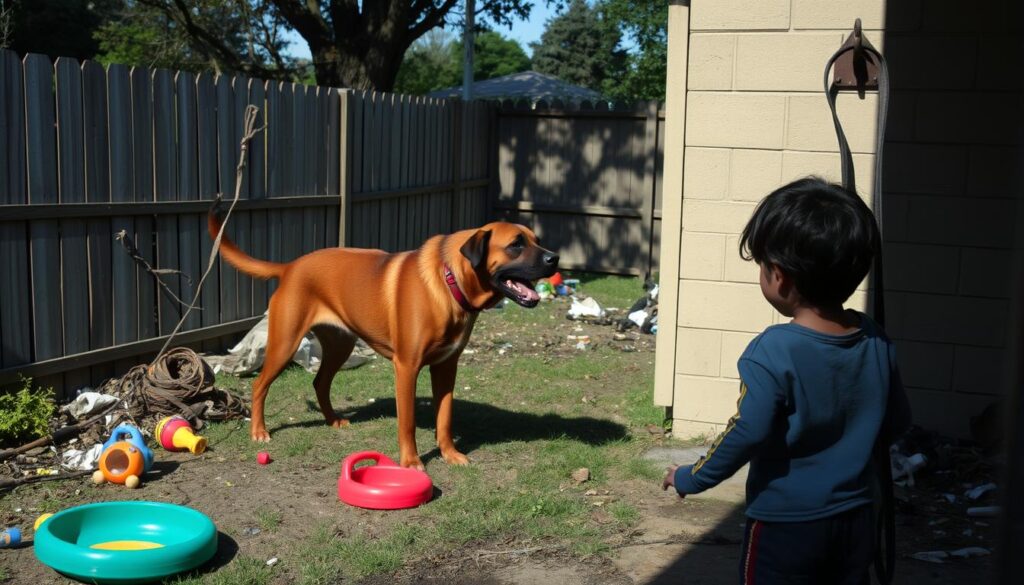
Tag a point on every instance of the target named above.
point(227, 550)
point(475, 424)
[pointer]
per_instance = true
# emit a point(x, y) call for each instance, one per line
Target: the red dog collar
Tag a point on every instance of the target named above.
point(449, 277)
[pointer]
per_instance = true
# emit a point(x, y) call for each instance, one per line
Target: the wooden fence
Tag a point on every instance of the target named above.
point(422, 168)
point(88, 152)
point(587, 179)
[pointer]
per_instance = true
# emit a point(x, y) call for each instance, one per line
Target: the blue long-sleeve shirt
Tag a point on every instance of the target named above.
point(811, 406)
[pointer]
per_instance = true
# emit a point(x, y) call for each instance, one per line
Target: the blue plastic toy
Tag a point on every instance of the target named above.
point(130, 433)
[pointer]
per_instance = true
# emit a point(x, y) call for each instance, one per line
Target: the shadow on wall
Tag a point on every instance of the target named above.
point(609, 164)
point(952, 200)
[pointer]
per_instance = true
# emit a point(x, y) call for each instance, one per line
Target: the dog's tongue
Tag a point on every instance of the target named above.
point(524, 290)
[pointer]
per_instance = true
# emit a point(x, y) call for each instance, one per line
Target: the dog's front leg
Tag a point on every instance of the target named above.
point(442, 381)
point(405, 404)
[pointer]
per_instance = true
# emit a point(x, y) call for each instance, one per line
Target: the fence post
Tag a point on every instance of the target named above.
point(493, 138)
point(344, 168)
point(456, 164)
point(649, 186)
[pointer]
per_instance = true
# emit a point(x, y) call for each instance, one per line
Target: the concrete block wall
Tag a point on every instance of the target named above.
point(756, 118)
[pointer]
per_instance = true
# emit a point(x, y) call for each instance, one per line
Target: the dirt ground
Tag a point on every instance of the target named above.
point(694, 541)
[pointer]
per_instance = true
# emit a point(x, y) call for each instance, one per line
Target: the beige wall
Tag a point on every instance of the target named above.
point(755, 118)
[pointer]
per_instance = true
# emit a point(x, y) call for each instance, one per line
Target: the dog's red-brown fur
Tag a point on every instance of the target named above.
point(399, 304)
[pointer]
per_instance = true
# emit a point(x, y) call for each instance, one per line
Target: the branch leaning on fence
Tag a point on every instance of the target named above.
point(250, 132)
point(129, 246)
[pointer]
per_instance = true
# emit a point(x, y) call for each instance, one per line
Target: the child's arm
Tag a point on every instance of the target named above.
point(761, 397)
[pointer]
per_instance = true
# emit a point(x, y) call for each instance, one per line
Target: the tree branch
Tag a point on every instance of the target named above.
point(431, 20)
point(307, 21)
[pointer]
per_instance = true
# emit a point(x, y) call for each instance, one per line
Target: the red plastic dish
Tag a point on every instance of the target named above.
point(384, 486)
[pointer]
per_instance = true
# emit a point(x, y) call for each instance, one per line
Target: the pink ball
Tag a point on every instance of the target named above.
point(263, 458)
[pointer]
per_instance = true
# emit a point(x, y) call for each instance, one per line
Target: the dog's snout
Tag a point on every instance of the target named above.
point(551, 259)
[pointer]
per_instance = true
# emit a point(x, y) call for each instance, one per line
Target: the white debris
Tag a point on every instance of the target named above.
point(932, 556)
point(272, 562)
point(588, 307)
point(638, 317)
point(970, 551)
point(88, 403)
point(977, 492)
point(77, 459)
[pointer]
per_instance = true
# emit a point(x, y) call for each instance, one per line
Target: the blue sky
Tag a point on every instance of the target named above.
point(525, 32)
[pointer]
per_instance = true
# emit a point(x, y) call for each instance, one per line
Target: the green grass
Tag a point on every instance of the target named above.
point(524, 423)
point(241, 571)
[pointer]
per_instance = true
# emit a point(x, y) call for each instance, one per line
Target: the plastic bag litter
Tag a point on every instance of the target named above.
point(247, 356)
point(78, 460)
point(638, 317)
point(88, 403)
point(588, 307)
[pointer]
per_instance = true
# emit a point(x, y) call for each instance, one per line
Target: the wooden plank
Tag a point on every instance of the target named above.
point(166, 189)
point(323, 148)
point(376, 138)
point(71, 180)
point(142, 176)
point(258, 192)
point(457, 171)
point(160, 208)
point(257, 147)
point(649, 187)
point(244, 238)
point(145, 347)
point(190, 226)
point(240, 88)
point(386, 136)
point(288, 146)
point(311, 140)
point(273, 139)
point(15, 311)
point(207, 154)
point(124, 293)
point(97, 188)
point(338, 135)
point(591, 210)
point(227, 153)
point(354, 229)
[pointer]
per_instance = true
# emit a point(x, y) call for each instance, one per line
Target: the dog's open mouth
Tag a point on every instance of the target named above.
point(519, 290)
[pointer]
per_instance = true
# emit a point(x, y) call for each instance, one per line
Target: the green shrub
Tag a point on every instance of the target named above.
point(25, 414)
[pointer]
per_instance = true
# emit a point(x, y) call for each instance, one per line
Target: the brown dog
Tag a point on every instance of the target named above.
point(415, 308)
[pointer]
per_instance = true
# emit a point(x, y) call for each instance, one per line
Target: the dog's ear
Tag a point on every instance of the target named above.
point(475, 248)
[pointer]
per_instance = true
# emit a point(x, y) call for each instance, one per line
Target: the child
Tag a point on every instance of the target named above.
point(815, 394)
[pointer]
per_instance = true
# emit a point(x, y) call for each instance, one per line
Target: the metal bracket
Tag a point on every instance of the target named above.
point(856, 70)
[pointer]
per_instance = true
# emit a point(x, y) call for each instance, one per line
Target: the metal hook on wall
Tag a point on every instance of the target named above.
point(856, 68)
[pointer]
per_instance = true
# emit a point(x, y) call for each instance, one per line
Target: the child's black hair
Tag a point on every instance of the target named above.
point(821, 235)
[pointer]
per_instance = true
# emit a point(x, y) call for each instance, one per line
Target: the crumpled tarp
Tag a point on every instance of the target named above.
point(247, 356)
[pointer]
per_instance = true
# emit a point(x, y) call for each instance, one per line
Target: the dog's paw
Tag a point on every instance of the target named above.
point(260, 436)
point(413, 462)
point(339, 423)
point(453, 457)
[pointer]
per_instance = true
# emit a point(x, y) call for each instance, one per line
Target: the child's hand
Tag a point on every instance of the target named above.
point(670, 478)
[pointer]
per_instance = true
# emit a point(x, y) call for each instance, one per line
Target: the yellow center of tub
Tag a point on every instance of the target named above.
point(127, 545)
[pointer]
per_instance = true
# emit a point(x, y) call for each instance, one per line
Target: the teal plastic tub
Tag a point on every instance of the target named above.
point(125, 542)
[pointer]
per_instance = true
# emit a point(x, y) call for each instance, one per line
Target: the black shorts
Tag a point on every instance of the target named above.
point(837, 550)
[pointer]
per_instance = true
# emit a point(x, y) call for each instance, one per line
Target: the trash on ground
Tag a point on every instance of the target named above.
point(644, 312)
point(251, 531)
point(87, 403)
point(247, 355)
point(977, 492)
point(983, 511)
point(77, 459)
point(587, 307)
point(903, 467)
point(272, 562)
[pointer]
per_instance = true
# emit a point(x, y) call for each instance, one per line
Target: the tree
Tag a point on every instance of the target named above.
point(581, 47)
point(493, 56)
point(435, 61)
point(354, 43)
point(645, 22)
point(59, 28)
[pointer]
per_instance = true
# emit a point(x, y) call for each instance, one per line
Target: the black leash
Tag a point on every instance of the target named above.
point(865, 68)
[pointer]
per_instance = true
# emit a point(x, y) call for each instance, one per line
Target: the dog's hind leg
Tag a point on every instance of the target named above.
point(287, 326)
point(337, 346)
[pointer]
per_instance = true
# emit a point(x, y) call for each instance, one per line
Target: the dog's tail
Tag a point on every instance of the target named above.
point(235, 256)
